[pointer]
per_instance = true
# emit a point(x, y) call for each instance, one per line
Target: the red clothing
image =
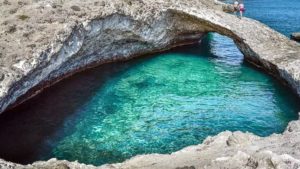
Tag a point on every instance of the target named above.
point(241, 7)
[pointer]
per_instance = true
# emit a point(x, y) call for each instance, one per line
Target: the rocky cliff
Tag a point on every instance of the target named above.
point(44, 41)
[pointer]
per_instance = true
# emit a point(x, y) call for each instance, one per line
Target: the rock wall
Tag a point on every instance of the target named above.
point(113, 38)
point(117, 33)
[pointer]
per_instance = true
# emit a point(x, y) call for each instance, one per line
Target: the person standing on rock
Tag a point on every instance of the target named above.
point(235, 6)
point(242, 9)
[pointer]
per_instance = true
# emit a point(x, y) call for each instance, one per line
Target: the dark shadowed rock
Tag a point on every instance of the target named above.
point(186, 167)
point(1, 76)
point(75, 8)
point(228, 8)
point(11, 29)
point(296, 36)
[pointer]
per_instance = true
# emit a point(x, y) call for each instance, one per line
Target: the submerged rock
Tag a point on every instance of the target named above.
point(76, 34)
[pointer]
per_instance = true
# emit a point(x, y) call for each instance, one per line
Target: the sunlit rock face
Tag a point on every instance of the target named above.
point(43, 42)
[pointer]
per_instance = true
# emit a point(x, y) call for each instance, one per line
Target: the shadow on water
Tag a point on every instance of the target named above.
point(25, 129)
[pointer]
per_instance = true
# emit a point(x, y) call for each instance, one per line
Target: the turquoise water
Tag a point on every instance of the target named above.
point(166, 102)
point(155, 104)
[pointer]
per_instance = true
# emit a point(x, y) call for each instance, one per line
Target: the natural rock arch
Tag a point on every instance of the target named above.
point(120, 36)
point(260, 44)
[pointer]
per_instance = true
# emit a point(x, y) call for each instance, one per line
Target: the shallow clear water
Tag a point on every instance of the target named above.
point(157, 104)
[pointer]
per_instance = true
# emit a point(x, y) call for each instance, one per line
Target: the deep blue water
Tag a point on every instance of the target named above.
point(155, 104)
point(281, 15)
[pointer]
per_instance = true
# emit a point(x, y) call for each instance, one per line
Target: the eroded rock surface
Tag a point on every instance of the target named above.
point(43, 41)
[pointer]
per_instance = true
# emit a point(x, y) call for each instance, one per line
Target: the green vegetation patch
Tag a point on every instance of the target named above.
point(23, 17)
